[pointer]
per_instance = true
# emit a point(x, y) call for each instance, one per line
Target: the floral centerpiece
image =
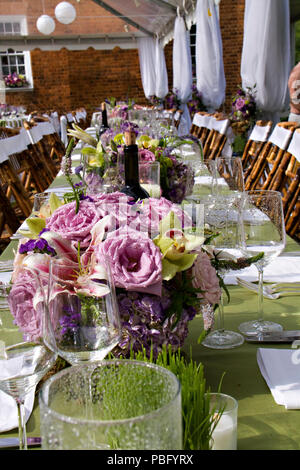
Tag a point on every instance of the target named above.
point(195, 103)
point(104, 160)
point(243, 115)
point(161, 271)
point(172, 101)
point(15, 80)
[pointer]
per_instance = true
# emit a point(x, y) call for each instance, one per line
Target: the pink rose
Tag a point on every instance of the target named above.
point(206, 279)
point(135, 260)
point(21, 304)
point(116, 205)
point(72, 226)
point(153, 210)
point(146, 156)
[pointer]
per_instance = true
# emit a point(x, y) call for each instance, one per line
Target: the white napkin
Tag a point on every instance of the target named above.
point(8, 407)
point(260, 133)
point(280, 137)
point(9, 411)
point(294, 147)
point(5, 276)
point(280, 369)
point(282, 269)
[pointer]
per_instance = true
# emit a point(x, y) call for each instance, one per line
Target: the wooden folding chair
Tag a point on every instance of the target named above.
point(271, 154)
point(290, 190)
point(216, 138)
point(24, 163)
point(201, 126)
point(14, 190)
point(47, 166)
point(254, 145)
point(51, 141)
point(9, 222)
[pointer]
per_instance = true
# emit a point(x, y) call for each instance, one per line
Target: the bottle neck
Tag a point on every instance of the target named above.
point(104, 119)
point(131, 163)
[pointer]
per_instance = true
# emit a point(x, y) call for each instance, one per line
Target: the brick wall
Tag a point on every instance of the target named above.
point(232, 31)
point(67, 79)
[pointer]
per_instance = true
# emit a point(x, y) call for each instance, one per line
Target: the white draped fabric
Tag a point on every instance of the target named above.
point(209, 55)
point(266, 54)
point(182, 72)
point(146, 48)
point(162, 88)
point(153, 67)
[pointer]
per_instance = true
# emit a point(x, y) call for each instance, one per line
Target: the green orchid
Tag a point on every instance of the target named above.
point(119, 139)
point(37, 224)
point(176, 246)
point(95, 156)
point(80, 134)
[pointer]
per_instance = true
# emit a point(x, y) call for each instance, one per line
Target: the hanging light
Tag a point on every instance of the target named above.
point(65, 12)
point(45, 24)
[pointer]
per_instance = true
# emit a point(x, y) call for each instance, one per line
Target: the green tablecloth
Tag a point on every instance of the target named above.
point(262, 424)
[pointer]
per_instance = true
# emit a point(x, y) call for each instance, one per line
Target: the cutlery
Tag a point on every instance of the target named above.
point(286, 254)
point(273, 291)
point(287, 336)
point(9, 442)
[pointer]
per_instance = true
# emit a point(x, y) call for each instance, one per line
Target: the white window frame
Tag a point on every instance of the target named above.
point(22, 20)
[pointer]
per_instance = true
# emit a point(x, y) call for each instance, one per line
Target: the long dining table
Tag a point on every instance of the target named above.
point(262, 423)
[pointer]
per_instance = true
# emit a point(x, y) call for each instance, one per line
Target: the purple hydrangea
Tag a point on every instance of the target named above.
point(128, 126)
point(39, 245)
point(146, 323)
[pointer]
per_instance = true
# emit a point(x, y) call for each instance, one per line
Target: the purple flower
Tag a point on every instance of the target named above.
point(78, 169)
point(40, 245)
point(129, 127)
point(135, 260)
point(21, 304)
point(74, 226)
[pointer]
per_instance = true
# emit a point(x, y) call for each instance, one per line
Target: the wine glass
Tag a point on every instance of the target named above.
point(222, 218)
point(82, 322)
point(264, 232)
point(205, 180)
point(24, 361)
point(229, 175)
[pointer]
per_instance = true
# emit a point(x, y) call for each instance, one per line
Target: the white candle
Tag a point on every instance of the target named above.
point(152, 189)
point(224, 435)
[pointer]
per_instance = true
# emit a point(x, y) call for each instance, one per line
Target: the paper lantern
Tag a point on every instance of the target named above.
point(45, 24)
point(65, 12)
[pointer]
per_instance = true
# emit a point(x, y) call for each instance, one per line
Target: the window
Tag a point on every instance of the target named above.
point(193, 49)
point(12, 61)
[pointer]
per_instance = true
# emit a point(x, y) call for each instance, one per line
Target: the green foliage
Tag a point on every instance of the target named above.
point(198, 419)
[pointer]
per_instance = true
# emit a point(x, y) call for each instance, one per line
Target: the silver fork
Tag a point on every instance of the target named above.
point(272, 291)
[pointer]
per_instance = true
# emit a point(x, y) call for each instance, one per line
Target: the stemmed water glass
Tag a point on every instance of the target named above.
point(229, 175)
point(222, 218)
point(24, 361)
point(82, 322)
point(264, 232)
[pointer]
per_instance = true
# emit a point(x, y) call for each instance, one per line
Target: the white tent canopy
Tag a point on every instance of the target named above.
point(103, 24)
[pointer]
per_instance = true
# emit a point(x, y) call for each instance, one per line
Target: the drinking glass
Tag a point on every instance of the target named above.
point(229, 174)
point(149, 173)
point(118, 404)
point(264, 232)
point(82, 322)
point(42, 202)
point(205, 180)
point(23, 363)
point(222, 217)
point(224, 434)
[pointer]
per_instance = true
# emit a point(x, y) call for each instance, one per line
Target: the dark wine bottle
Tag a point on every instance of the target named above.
point(131, 163)
point(104, 125)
